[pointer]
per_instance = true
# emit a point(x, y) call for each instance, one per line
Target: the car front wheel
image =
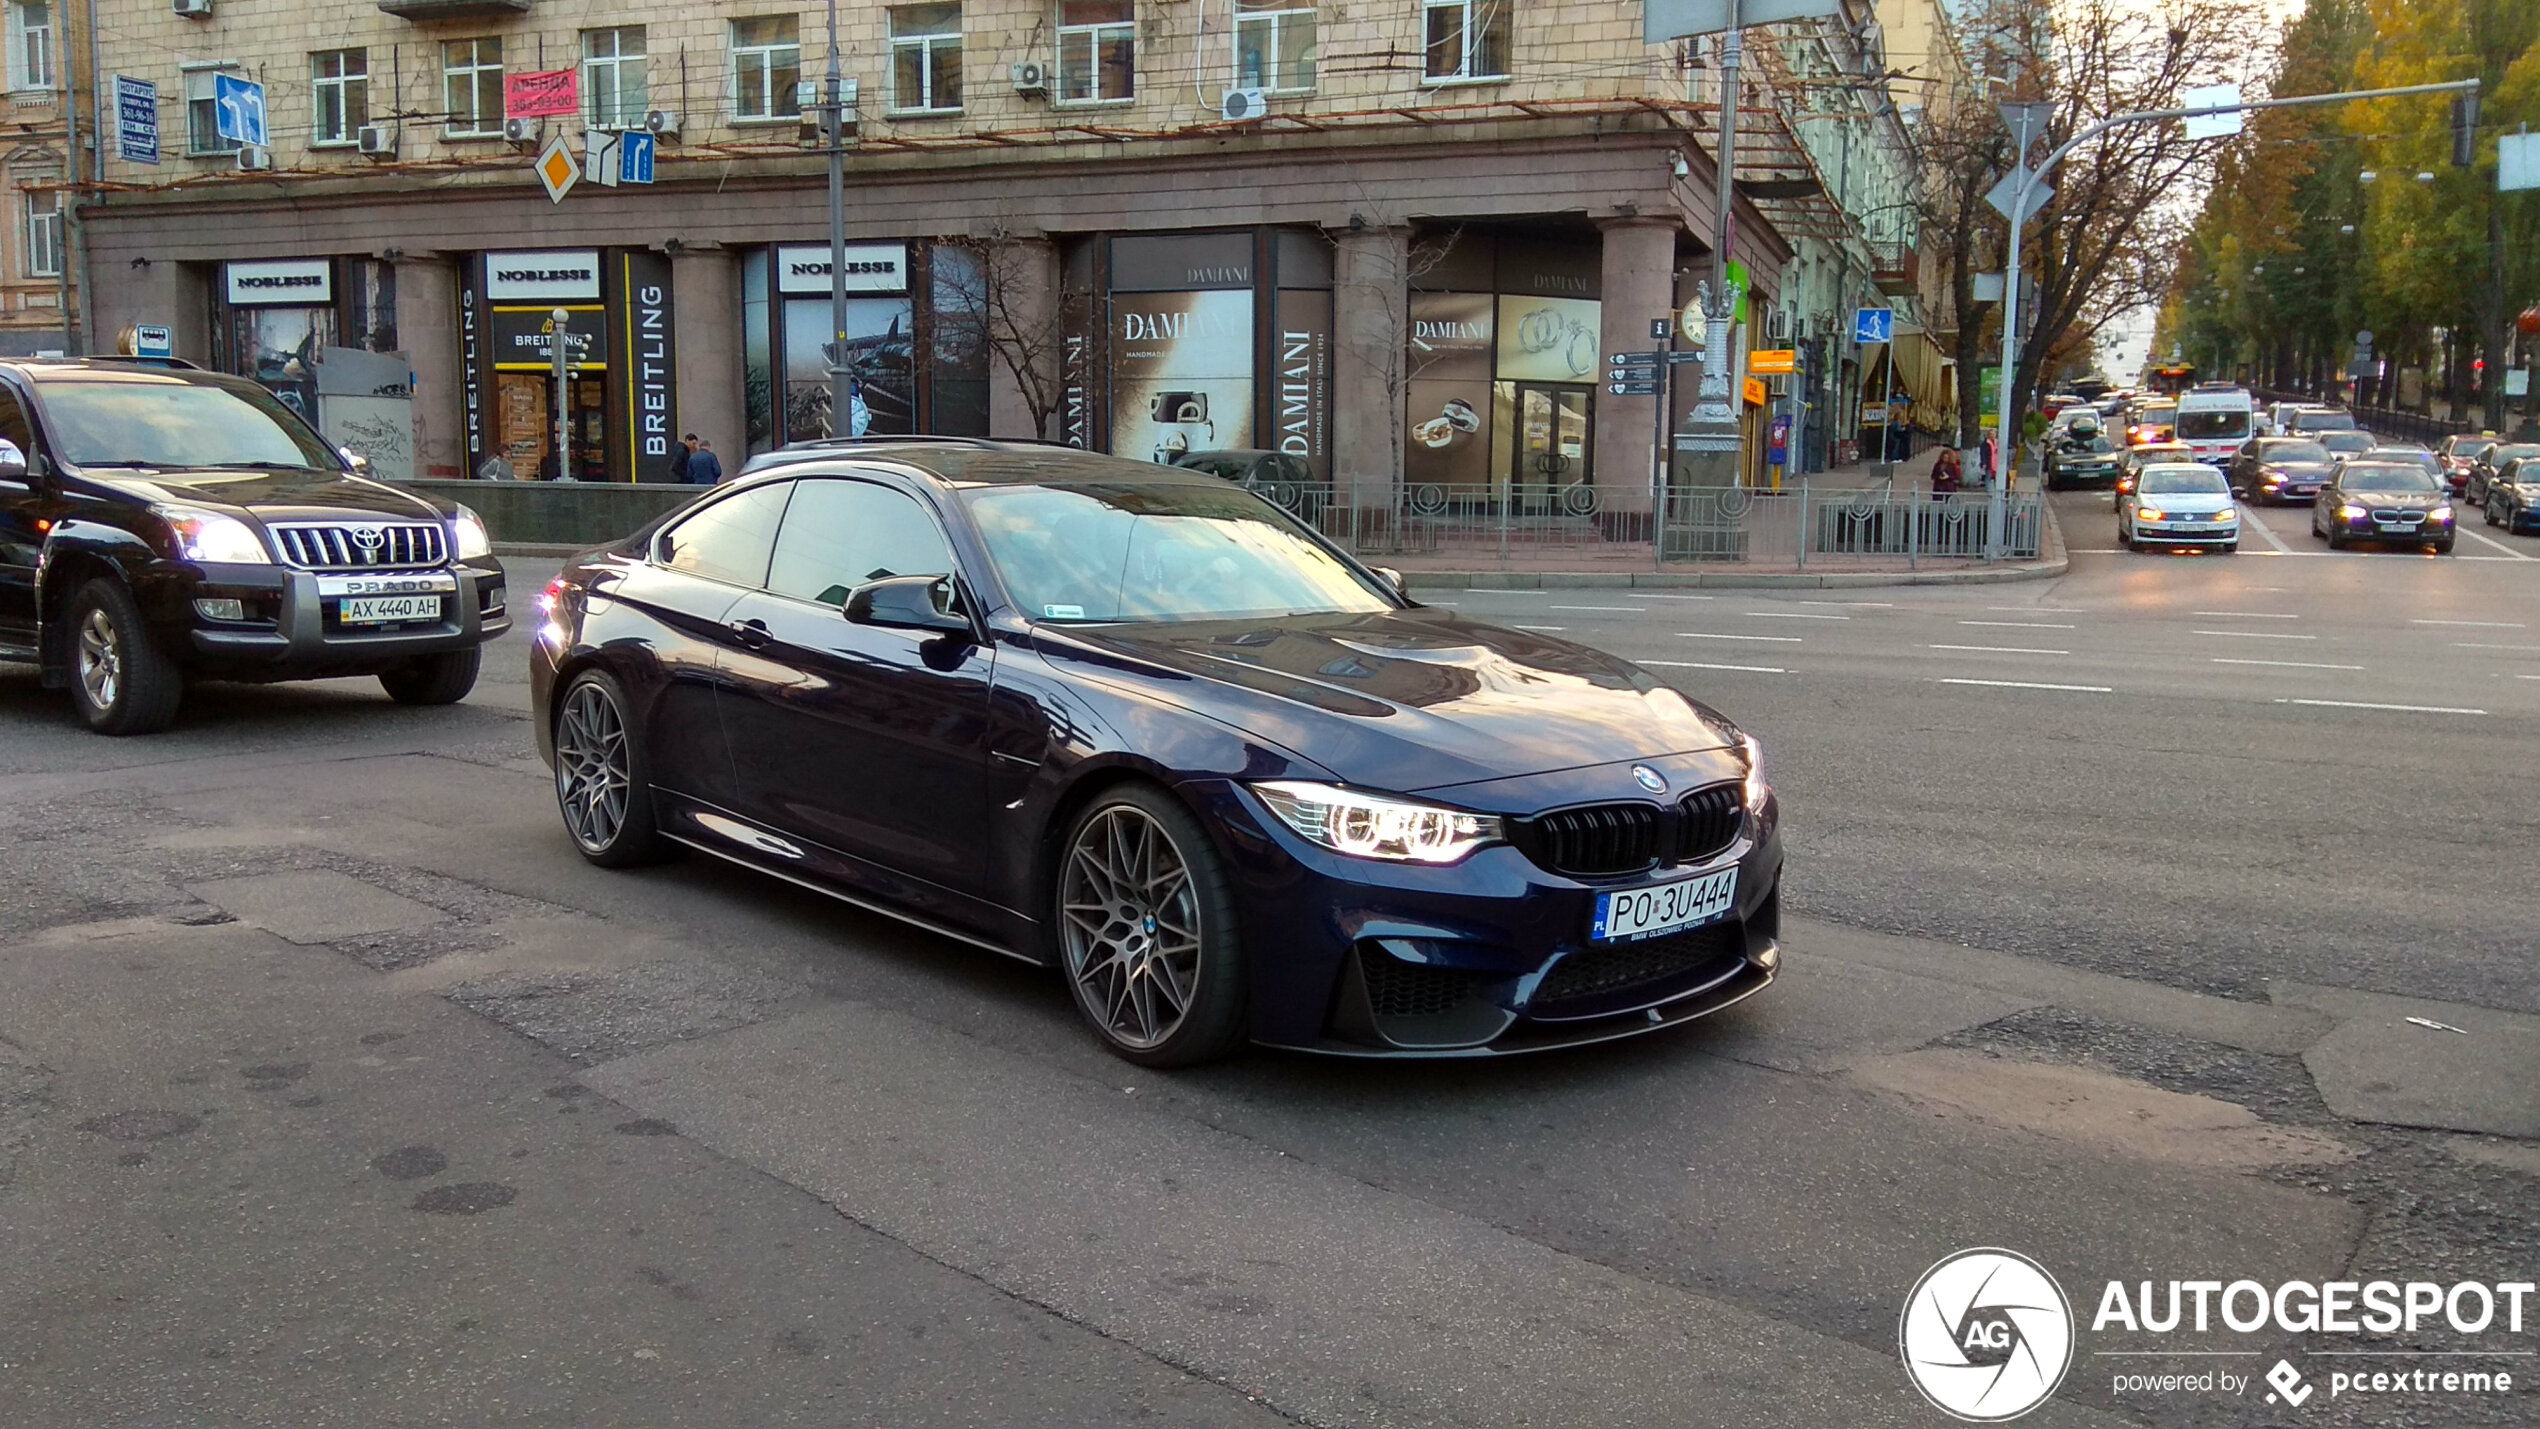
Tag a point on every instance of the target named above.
point(120, 679)
point(1146, 931)
point(442, 679)
point(603, 782)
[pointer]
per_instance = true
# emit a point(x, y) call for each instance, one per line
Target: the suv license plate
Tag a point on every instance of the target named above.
point(387, 609)
point(1631, 913)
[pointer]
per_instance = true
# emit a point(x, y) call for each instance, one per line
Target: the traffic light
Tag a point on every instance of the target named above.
point(2464, 130)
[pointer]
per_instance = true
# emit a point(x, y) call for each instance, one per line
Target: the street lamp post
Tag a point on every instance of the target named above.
point(556, 320)
point(834, 130)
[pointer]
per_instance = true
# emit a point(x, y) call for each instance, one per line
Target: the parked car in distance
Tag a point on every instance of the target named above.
point(2394, 503)
point(161, 525)
point(2080, 454)
point(1129, 722)
point(2179, 504)
point(2460, 454)
point(1284, 481)
point(2513, 496)
point(2279, 469)
point(2482, 472)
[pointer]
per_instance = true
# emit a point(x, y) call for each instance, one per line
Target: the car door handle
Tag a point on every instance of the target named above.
point(753, 633)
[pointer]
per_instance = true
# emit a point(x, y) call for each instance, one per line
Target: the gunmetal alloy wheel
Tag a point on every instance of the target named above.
point(594, 767)
point(1132, 931)
point(100, 659)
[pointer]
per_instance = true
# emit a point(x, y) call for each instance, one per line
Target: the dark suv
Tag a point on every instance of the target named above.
point(159, 524)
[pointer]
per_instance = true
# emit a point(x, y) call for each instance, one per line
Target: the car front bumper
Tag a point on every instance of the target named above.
point(2171, 533)
point(1485, 957)
point(2423, 533)
point(295, 626)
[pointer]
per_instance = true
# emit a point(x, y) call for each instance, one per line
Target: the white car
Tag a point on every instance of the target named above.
point(2179, 504)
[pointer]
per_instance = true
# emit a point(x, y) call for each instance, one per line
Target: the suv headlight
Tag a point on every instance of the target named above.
point(467, 535)
point(210, 536)
point(1370, 826)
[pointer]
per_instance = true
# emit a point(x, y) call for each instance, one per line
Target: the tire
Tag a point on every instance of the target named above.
point(1113, 937)
point(442, 679)
point(2489, 512)
point(603, 778)
point(2443, 548)
point(122, 682)
point(2231, 548)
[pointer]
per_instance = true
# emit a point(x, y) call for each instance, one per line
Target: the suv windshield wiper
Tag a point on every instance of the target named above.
point(255, 466)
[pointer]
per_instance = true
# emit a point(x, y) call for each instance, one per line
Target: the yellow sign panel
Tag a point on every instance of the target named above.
point(1773, 361)
point(1754, 392)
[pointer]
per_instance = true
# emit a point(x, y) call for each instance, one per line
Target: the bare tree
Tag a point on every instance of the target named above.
point(1008, 300)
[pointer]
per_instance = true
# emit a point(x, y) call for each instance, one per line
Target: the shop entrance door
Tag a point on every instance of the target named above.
point(1551, 457)
point(526, 424)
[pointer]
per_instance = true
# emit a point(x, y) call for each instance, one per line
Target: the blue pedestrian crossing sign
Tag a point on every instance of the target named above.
point(635, 157)
point(239, 109)
point(1874, 325)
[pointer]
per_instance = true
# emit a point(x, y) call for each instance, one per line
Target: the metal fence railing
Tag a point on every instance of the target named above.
point(1483, 526)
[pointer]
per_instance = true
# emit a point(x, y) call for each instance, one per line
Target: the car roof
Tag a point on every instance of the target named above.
point(116, 369)
point(2197, 467)
point(980, 461)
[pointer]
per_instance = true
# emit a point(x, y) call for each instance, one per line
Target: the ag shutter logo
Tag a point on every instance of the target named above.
point(1986, 1335)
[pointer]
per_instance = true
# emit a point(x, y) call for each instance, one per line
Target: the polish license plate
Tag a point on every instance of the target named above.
point(387, 609)
point(1627, 914)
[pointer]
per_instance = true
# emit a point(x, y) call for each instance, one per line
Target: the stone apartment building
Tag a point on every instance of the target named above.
point(38, 282)
point(1409, 267)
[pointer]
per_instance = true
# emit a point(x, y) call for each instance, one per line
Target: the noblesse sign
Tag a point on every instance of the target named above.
point(803, 268)
point(570, 275)
point(282, 282)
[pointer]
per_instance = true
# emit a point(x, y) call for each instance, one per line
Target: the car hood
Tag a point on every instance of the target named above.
point(2192, 502)
point(2401, 499)
point(295, 493)
point(1406, 700)
point(2303, 470)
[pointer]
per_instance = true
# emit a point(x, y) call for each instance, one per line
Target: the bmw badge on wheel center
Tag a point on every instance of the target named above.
point(1145, 728)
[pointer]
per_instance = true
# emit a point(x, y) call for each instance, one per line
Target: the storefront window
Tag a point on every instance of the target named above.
point(880, 346)
point(958, 377)
point(758, 384)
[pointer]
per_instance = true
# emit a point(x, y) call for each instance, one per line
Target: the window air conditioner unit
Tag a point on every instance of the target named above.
point(522, 131)
point(1777, 324)
point(662, 122)
point(254, 158)
point(1241, 106)
point(1031, 77)
point(192, 9)
point(377, 139)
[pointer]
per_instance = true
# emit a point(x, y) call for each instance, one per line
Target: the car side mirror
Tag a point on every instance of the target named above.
point(1393, 578)
point(12, 460)
point(359, 463)
point(904, 603)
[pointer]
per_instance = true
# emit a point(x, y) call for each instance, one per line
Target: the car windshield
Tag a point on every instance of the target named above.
point(2184, 481)
point(1156, 551)
point(2469, 450)
point(2323, 422)
point(2207, 425)
point(2386, 478)
point(2504, 454)
point(2159, 414)
point(170, 422)
point(2289, 452)
point(2078, 444)
point(2348, 442)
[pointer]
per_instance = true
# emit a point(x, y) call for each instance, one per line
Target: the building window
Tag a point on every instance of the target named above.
point(202, 113)
point(613, 77)
point(1097, 51)
point(472, 88)
point(340, 80)
point(926, 58)
point(43, 235)
point(1467, 39)
point(767, 66)
point(30, 44)
point(1274, 45)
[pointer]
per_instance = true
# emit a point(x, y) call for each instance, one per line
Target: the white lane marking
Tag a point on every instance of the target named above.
point(1698, 665)
point(1791, 615)
point(2041, 609)
point(2462, 529)
point(2019, 624)
point(1871, 604)
point(2483, 624)
point(1700, 635)
point(2274, 542)
point(2403, 709)
point(1608, 609)
point(2258, 634)
point(2032, 685)
point(2096, 551)
point(2245, 614)
point(2000, 649)
point(2474, 645)
point(1501, 590)
point(2527, 677)
point(1542, 627)
point(2284, 664)
point(1656, 595)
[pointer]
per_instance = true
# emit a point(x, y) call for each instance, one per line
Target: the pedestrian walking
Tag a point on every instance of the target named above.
point(1948, 473)
point(704, 467)
point(859, 416)
point(680, 453)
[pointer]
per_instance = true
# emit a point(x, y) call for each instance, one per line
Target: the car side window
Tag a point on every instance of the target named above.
point(728, 540)
point(14, 428)
point(839, 534)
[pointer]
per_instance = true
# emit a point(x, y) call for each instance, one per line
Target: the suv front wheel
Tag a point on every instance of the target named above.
point(442, 679)
point(121, 681)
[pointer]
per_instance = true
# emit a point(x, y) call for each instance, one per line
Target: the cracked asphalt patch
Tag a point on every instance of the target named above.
point(596, 1016)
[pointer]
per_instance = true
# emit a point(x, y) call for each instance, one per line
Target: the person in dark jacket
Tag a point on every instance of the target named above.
point(704, 468)
point(680, 452)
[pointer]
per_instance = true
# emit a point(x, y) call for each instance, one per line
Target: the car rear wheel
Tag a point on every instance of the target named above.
point(120, 679)
point(1146, 931)
point(603, 782)
point(442, 679)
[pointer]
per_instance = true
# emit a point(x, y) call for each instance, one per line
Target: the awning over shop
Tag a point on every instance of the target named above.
point(1924, 378)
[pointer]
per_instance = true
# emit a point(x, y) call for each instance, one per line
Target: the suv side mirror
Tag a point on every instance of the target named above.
point(12, 461)
point(359, 463)
point(1393, 578)
point(904, 603)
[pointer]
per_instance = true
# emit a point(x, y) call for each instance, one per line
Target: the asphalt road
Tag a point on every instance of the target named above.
point(335, 1089)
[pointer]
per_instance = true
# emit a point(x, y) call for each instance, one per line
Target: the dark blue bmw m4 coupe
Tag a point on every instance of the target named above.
point(1141, 726)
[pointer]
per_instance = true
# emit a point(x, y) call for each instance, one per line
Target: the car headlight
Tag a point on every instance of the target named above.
point(1754, 787)
point(2150, 513)
point(2352, 512)
point(1371, 826)
point(210, 536)
point(2440, 513)
point(2228, 513)
point(467, 535)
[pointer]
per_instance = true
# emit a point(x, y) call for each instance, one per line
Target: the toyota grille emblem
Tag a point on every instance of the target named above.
point(1649, 779)
point(369, 538)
